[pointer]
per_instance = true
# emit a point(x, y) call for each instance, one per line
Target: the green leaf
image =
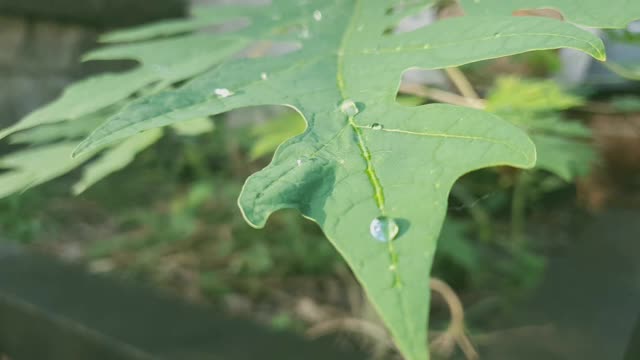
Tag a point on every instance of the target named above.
point(64, 130)
point(594, 13)
point(194, 127)
point(628, 70)
point(115, 159)
point(31, 167)
point(364, 159)
point(564, 157)
point(515, 94)
point(563, 146)
point(162, 62)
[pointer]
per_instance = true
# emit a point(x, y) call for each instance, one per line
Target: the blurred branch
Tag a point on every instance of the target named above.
point(455, 334)
point(351, 324)
point(461, 82)
point(441, 96)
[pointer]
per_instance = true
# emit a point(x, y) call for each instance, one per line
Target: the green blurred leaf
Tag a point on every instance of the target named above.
point(519, 95)
point(563, 146)
point(269, 135)
point(564, 157)
point(193, 127)
point(628, 70)
point(627, 103)
point(30, 167)
point(162, 63)
point(115, 158)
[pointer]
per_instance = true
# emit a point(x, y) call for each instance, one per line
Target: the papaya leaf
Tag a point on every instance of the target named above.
point(563, 146)
point(115, 158)
point(363, 160)
point(375, 175)
point(162, 63)
point(515, 94)
point(31, 167)
point(565, 157)
point(593, 13)
point(193, 127)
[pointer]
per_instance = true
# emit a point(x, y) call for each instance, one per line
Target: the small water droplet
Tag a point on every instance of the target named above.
point(223, 92)
point(349, 108)
point(376, 126)
point(426, 46)
point(299, 162)
point(437, 185)
point(360, 28)
point(264, 76)
point(393, 267)
point(384, 228)
point(317, 15)
point(497, 35)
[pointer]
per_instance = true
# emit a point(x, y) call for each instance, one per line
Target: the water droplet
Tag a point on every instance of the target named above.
point(376, 126)
point(299, 162)
point(393, 267)
point(437, 185)
point(426, 46)
point(497, 35)
point(349, 108)
point(384, 228)
point(222, 92)
point(264, 76)
point(360, 28)
point(317, 15)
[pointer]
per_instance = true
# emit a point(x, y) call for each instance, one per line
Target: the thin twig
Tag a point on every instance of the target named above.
point(440, 96)
point(461, 83)
point(456, 333)
point(350, 324)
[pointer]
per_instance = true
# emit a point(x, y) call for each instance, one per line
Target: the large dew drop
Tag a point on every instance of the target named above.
point(384, 228)
point(349, 108)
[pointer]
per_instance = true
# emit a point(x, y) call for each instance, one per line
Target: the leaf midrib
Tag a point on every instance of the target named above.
point(362, 146)
point(366, 155)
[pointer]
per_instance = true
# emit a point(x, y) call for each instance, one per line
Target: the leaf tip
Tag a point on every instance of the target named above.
point(600, 53)
point(81, 149)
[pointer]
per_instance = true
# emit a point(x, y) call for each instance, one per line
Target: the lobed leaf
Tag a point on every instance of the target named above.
point(362, 156)
point(364, 161)
point(593, 13)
